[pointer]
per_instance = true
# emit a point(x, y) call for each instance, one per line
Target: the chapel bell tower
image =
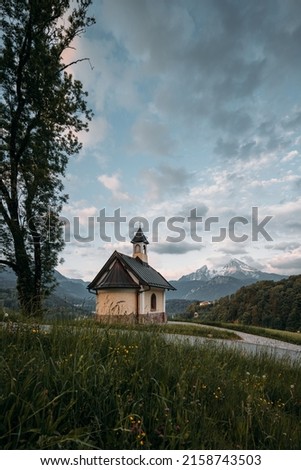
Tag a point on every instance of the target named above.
point(140, 243)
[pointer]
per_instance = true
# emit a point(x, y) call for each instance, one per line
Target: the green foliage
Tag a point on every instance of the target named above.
point(267, 304)
point(176, 306)
point(42, 109)
point(199, 308)
point(93, 388)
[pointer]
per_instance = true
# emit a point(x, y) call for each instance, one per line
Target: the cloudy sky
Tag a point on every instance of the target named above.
point(196, 130)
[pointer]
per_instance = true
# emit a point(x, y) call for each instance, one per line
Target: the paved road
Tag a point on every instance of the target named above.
point(250, 343)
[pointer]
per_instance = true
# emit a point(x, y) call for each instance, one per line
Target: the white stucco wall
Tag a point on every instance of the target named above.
point(160, 300)
point(120, 302)
point(116, 302)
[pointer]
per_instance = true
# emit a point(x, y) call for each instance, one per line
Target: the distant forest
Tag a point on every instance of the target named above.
point(268, 304)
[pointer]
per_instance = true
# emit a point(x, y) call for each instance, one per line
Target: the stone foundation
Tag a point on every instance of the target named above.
point(116, 319)
point(153, 317)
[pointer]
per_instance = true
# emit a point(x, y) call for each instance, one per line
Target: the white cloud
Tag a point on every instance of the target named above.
point(79, 209)
point(284, 246)
point(110, 182)
point(98, 129)
point(289, 263)
point(290, 156)
point(289, 210)
point(113, 184)
point(289, 178)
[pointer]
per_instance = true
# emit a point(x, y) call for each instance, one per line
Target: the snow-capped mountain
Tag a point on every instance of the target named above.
point(211, 284)
point(240, 270)
point(201, 274)
point(234, 268)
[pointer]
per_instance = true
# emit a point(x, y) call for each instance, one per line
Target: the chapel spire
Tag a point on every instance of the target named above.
point(140, 243)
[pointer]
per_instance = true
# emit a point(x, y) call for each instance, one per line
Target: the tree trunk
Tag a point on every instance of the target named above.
point(28, 284)
point(29, 296)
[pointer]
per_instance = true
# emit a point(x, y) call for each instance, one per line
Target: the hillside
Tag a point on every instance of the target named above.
point(268, 304)
point(69, 293)
point(213, 289)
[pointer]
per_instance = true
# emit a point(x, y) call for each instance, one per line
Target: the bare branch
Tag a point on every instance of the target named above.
point(75, 62)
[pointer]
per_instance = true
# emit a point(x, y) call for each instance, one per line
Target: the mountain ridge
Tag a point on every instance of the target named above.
point(212, 284)
point(202, 284)
point(68, 292)
point(234, 268)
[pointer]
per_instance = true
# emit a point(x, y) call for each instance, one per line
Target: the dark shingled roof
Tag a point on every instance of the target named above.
point(117, 274)
point(146, 273)
point(139, 237)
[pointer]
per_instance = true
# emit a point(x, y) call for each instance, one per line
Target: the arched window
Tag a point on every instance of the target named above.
point(153, 302)
point(137, 249)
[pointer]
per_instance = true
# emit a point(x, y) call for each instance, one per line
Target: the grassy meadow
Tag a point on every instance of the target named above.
point(102, 388)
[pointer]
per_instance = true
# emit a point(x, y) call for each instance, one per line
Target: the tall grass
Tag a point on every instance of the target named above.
point(86, 388)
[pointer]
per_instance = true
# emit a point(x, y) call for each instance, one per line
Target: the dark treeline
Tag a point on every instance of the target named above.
point(266, 303)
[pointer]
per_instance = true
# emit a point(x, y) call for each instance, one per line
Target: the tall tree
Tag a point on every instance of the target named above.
point(42, 109)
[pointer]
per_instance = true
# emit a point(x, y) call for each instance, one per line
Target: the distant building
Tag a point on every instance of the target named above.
point(205, 303)
point(128, 289)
